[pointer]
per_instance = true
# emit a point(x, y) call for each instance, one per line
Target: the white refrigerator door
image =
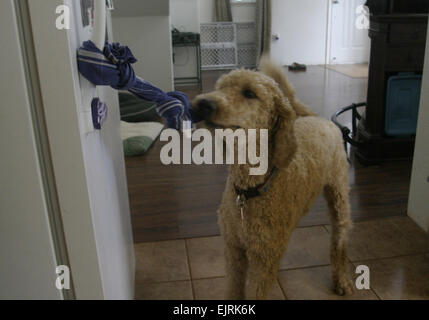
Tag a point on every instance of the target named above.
point(89, 165)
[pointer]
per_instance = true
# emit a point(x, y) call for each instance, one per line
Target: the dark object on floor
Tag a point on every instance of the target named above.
point(297, 67)
point(134, 109)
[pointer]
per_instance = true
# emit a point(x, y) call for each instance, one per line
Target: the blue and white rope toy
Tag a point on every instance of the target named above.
point(113, 67)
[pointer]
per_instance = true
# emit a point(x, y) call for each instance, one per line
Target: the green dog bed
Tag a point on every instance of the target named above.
point(138, 137)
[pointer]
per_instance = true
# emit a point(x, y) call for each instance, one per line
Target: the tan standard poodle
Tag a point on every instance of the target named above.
point(306, 156)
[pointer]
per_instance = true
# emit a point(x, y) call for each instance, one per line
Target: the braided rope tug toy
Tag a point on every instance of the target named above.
point(113, 67)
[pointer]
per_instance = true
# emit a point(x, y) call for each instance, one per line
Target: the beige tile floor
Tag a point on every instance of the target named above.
point(395, 249)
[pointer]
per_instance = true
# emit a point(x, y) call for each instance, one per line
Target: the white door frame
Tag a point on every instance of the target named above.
point(329, 33)
point(419, 188)
point(66, 150)
point(98, 237)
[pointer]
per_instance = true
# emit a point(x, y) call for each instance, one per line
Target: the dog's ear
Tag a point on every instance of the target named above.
point(277, 73)
point(285, 143)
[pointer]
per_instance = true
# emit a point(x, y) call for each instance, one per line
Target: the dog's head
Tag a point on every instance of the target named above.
point(251, 100)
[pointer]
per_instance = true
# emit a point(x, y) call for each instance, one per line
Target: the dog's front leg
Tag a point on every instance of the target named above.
point(263, 269)
point(236, 271)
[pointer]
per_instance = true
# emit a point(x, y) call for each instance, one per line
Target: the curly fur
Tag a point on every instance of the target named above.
point(309, 152)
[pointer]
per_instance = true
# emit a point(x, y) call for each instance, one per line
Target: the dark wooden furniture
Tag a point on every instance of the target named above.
point(398, 40)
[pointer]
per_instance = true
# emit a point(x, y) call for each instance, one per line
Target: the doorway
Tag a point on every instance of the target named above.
point(348, 41)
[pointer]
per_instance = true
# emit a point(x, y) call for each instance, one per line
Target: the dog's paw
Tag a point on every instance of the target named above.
point(344, 287)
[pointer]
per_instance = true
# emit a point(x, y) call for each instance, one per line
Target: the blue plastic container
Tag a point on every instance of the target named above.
point(402, 104)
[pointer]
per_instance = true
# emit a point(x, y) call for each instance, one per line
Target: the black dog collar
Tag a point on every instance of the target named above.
point(246, 194)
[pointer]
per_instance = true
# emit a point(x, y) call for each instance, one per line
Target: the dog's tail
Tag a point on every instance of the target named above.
point(277, 73)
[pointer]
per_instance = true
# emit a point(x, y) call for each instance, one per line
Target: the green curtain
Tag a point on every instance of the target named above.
point(263, 27)
point(223, 10)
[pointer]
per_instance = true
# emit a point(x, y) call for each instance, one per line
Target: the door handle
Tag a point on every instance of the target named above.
point(99, 32)
point(335, 1)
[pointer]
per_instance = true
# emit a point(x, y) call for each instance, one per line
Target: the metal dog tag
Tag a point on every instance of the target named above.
point(240, 201)
point(240, 204)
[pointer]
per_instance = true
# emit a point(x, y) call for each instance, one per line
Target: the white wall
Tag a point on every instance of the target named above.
point(206, 11)
point(27, 263)
point(241, 12)
point(137, 8)
point(418, 208)
point(185, 15)
point(144, 26)
point(149, 38)
point(302, 26)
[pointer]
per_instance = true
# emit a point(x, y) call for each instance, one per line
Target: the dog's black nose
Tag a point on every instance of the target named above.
point(206, 107)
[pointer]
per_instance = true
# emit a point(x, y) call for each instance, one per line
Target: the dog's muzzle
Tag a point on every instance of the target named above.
point(206, 108)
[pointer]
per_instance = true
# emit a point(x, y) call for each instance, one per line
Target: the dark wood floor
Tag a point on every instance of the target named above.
point(174, 202)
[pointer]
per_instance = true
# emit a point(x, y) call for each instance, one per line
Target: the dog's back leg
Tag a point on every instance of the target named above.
point(337, 196)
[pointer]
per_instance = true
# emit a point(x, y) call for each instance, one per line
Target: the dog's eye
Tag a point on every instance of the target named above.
point(249, 94)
